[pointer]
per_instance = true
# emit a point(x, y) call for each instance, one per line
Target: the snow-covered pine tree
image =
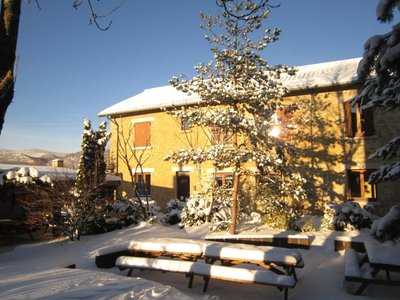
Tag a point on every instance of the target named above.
point(91, 177)
point(240, 95)
point(380, 69)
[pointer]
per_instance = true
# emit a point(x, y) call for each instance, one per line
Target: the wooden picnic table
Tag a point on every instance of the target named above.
point(380, 257)
point(266, 256)
point(383, 256)
point(173, 247)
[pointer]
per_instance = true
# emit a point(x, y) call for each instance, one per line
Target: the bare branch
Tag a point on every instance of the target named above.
point(94, 16)
point(261, 5)
point(37, 3)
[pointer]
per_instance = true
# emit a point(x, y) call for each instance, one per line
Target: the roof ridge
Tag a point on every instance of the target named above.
point(310, 76)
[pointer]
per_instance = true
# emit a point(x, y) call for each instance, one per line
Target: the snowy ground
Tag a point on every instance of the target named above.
point(33, 271)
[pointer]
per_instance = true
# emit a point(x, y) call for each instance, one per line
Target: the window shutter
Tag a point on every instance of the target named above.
point(142, 134)
point(348, 118)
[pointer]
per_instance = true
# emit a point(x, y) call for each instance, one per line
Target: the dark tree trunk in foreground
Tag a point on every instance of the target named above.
point(10, 13)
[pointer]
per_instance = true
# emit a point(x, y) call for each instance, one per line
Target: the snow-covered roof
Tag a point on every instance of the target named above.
point(153, 98)
point(307, 77)
point(326, 74)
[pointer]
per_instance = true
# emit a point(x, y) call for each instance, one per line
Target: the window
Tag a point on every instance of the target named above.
point(142, 134)
point(220, 136)
point(358, 123)
point(224, 179)
point(143, 184)
point(358, 186)
point(185, 124)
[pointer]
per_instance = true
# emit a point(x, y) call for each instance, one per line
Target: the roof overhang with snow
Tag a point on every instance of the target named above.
point(315, 76)
point(328, 74)
point(154, 98)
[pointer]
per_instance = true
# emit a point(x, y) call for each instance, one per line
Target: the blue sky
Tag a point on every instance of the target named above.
point(68, 69)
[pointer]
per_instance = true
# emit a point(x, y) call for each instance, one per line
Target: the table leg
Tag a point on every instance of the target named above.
point(361, 289)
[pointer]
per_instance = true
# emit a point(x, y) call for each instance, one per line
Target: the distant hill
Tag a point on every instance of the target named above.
point(38, 157)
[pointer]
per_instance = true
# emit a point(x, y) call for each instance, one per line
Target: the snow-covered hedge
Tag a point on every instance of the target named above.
point(347, 216)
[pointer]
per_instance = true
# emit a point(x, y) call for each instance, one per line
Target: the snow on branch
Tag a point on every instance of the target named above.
point(384, 10)
point(387, 151)
point(386, 172)
point(380, 70)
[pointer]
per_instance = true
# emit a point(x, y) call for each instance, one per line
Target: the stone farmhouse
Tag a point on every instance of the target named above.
point(335, 139)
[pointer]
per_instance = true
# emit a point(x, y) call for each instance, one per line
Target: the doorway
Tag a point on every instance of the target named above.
point(183, 185)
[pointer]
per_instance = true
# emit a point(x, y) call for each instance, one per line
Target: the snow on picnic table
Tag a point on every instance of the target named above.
point(321, 278)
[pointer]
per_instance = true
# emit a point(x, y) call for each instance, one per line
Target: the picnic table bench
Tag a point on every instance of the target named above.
point(266, 256)
point(379, 258)
point(208, 271)
point(172, 247)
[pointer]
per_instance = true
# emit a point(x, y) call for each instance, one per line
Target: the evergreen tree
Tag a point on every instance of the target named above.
point(380, 70)
point(240, 95)
point(91, 177)
point(92, 166)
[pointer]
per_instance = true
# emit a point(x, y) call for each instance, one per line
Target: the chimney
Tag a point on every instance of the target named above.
point(57, 163)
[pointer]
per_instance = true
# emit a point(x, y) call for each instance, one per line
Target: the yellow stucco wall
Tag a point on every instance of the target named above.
point(166, 136)
point(327, 152)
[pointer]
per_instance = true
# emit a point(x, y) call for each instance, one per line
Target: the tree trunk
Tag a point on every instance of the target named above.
point(10, 14)
point(234, 203)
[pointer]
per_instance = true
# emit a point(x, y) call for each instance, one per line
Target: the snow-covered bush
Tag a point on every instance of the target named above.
point(281, 199)
point(347, 216)
point(24, 176)
point(122, 213)
point(221, 218)
point(281, 215)
point(307, 223)
point(199, 211)
point(252, 218)
point(126, 210)
point(174, 211)
point(195, 212)
point(154, 213)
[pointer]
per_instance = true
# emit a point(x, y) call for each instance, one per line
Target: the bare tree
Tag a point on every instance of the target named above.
point(133, 160)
